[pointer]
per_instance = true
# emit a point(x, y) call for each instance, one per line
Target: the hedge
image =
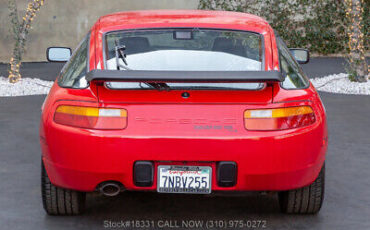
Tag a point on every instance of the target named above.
point(317, 25)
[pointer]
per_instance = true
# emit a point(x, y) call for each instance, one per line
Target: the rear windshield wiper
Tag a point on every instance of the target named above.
point(120, 54)
point(157, 86)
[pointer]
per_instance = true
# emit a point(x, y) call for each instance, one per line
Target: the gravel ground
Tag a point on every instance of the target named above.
point(26, 86)
point(335, 83)
point(339, 83)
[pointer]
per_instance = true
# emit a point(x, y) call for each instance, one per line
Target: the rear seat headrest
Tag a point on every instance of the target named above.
point(229, 45)
point(135, 44)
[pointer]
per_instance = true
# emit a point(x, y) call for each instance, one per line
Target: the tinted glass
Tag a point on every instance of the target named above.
point(294, 76)
point(186, 50)
point(73, 73)
point(189, 86)
point(191, 50)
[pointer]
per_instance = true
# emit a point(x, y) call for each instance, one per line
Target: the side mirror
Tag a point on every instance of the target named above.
point(301, 55)
point(58, 54)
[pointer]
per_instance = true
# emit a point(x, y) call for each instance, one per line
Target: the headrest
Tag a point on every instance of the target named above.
point(135, 44)
point(229, 45)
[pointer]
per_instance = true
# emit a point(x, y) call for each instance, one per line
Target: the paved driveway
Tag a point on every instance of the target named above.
point(346, 205)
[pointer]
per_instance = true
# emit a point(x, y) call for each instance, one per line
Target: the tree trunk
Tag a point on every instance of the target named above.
point(357, 60)
point(20, 31)
point(14, 74)
point(15, 61)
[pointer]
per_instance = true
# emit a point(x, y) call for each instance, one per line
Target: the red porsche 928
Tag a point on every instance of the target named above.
point(182, 102)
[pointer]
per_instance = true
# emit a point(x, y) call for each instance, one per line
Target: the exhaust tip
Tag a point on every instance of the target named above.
point(110, 189)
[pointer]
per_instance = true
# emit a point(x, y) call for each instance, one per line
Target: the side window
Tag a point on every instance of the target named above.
point(73, 73)
point(294, 76)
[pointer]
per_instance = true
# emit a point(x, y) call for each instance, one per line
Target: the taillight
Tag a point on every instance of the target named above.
point(278, 119)
point(91, 117)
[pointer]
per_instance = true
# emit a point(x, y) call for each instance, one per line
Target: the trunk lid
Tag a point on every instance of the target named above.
point(184, 113)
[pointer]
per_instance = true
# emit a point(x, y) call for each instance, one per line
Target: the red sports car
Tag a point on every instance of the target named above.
point(182, 102)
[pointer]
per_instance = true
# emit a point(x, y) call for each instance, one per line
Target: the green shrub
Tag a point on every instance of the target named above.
point(317, 25)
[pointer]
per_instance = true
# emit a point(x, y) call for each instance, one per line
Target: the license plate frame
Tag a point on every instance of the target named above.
point(186, 170)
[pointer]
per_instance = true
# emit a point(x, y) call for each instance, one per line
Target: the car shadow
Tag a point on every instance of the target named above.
point(153, 205)
point(177, 208)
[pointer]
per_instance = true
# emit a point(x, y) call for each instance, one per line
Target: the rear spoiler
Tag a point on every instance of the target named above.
point(184, 76)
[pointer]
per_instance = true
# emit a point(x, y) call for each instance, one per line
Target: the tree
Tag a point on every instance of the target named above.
point(20, 31)
point(358, 70)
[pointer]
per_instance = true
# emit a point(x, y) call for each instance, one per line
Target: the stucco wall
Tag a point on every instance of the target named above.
point(65, 22)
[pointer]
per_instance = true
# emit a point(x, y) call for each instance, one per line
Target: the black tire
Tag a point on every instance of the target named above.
point(306, 200)
point(59, 201)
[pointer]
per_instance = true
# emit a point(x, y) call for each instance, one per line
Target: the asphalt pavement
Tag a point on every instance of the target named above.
point(347, 195)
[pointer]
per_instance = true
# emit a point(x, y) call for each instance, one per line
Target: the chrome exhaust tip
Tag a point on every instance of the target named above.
point(110, 189)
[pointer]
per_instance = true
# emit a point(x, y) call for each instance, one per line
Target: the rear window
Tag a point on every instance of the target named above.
point(186, 50)
point(187, 85)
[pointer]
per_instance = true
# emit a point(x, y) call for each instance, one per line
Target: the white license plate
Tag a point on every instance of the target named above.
point(184, 179)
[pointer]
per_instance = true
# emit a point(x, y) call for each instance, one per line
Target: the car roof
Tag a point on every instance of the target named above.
point(180, 16)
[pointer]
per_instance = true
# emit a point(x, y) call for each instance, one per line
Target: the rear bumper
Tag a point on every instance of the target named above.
point(88, 181)
point(269, 161)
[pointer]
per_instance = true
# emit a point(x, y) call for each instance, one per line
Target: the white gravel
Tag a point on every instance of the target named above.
point(339, 83)
point(26, 86)
point(336, 83)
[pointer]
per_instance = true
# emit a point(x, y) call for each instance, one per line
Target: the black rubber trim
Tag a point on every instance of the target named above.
point(226, 180)
point(140, 179)
point(184, 76)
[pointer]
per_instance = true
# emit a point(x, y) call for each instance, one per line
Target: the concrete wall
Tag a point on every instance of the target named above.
point(65, 22)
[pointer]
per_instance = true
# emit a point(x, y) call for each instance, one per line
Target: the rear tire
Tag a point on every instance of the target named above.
point(306, 200)
point(59, 201)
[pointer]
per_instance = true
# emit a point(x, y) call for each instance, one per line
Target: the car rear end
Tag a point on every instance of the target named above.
point(186, 110)
point(195, 131)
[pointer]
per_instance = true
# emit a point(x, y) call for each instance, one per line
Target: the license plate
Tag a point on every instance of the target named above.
point(184, 179)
